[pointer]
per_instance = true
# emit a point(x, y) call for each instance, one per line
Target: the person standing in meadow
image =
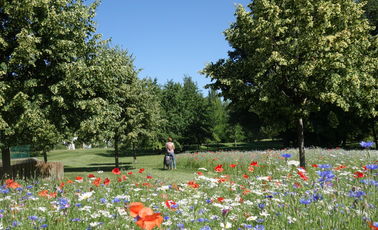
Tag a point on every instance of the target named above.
point(170, 147)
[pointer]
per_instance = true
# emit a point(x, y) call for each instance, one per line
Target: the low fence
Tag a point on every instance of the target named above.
point(32, 168)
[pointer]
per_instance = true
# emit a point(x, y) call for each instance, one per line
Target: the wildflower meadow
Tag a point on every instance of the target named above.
point(228, 190)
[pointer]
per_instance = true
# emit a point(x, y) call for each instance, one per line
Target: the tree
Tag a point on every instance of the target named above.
point(289, 56)
point(218, 116)
point(130, 111)
point(44, 80)
point(196, 114)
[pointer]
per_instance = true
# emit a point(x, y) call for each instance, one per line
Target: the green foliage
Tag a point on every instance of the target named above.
point(46, 89)
point(291, 56)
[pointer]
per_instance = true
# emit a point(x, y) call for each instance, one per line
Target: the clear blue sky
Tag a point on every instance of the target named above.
point(169, 38)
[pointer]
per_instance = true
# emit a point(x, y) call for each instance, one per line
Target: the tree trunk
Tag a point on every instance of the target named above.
point(374, 134)
point(302, 160)
point(44, 156)
point(134, 153)
point(116, 151)
point(6, 159)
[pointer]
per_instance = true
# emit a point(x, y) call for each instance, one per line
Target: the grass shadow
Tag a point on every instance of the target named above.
point(126, 163)
point(94, 169)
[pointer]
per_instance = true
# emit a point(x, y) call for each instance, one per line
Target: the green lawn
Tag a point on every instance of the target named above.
point(84, 161)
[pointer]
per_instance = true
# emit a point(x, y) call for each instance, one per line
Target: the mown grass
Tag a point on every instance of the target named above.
point(81, 162)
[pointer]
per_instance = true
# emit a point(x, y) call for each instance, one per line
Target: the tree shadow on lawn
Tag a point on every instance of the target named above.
point(126, 163)
point(95, 169)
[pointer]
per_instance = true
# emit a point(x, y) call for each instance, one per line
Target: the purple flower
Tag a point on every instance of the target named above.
point(44, 226)
point(305, 201)
point(286, 155)
point(372, 167)
point(33, 218)
point(75, 220)
point(368, 144)
point(357, 194)
point(325, 176)
point(259, 227)
point(325, 166)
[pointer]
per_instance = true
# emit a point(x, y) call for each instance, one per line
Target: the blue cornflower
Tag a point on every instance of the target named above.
point(2, 210)
point(262, 205)
point(357, 194)
point(201, 220)
point(317, 197)
point(33, 218)
point(4, 191)
point(75, 220)
point(44, 226)
point(205, 228)
point(16, 223)
point(103, 200)
point(19, 189)
point(325, 176)
point(260, 220)
point(29, 186)
point(259, 227)
point(368, 144)
point(63, 203)
point(116, 200)
point(372, 167)
point(180, 225)
point(78, 205)
point(208, 201)
point(166, 217)
point(201, 211)
point(305, 201)
point(286, 155)
point(248, 226)
point(325, 166)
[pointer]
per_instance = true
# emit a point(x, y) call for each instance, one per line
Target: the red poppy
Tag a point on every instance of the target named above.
point(130, 173)
point(149, 177)
point(119, 179)
point(116, 171)
point(359, 175)
point(233, 165)
point(149, 221)
point(314, 165)
point(170, 203)
point(69, 182)
point(134, 208)
point(106, 181)
point(146, 218)
point(91, 175)
point(219, 168)
point(251, 168)
point(254, 163)
point(220, 199)
point(193, 184)
point(12, 184)
point(245, 176)
point(199, 173)
point(371, 226)
point(340, 167)
point(124, 177)
point(141, 170)
point(97, 182)
point(302, 175)
point(79, 179)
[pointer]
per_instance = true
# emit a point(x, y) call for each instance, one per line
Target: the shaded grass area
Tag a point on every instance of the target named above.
point(81, 162)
